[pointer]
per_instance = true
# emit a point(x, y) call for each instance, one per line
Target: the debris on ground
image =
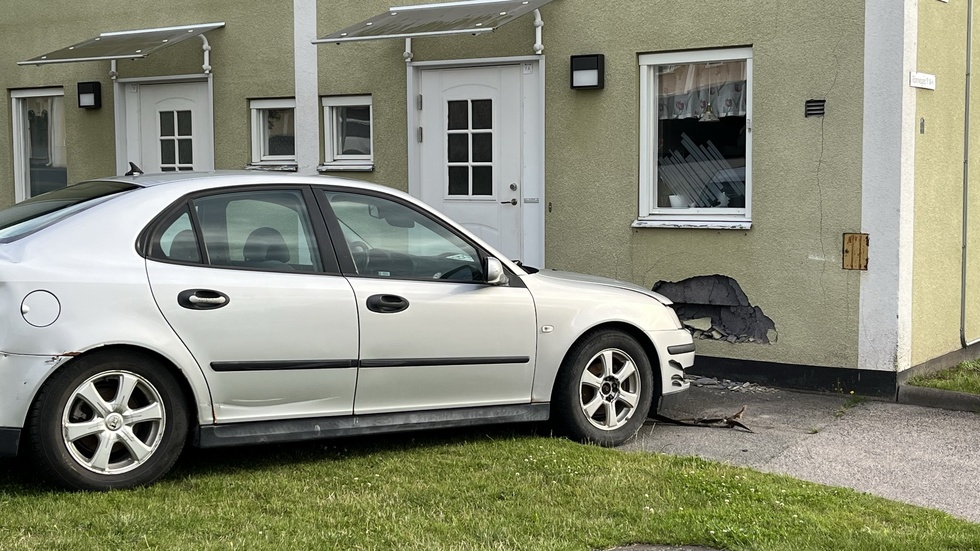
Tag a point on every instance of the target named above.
point(726, 384)
point(730, 421)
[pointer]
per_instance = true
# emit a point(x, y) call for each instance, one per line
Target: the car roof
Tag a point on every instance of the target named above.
point(221, 178)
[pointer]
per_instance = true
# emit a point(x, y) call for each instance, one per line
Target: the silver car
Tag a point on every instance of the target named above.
point(142, 313)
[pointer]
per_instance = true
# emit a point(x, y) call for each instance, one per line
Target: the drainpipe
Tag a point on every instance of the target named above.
point(966, 175)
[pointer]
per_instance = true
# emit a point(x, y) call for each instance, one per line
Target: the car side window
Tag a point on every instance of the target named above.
point(175, 239)
point(389, 239)
point(258, 229)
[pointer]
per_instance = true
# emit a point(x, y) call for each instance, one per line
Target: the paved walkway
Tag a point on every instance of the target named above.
point(924, 456)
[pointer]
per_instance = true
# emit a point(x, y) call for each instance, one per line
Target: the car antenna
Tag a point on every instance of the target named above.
point(133, 169)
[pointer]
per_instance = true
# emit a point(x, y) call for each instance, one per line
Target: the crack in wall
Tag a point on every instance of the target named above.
point(715, 307)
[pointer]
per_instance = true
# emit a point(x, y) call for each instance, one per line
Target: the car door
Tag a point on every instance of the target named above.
point(239, 276)
point(433, 334)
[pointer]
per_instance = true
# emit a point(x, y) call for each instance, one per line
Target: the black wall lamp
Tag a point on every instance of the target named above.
point(587, 72)
point(90, 95)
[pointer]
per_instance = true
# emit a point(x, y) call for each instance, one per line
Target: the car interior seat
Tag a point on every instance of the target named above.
point(266, 248)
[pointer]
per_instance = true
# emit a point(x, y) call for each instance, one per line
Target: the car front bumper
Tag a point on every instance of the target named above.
point(675, 349)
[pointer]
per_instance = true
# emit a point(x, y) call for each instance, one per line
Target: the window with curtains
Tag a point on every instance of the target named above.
point(696, 138)
point(348, 137)
point(40, 156)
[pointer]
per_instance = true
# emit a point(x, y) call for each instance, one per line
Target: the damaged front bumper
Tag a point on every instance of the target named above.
point(675, 350)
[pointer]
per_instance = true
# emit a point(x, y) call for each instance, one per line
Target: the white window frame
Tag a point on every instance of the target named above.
point(649, 215)
point(332, 160)
point(260, 131)
point(22, 170)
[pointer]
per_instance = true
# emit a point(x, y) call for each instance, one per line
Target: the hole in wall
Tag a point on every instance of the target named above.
point(715, 307)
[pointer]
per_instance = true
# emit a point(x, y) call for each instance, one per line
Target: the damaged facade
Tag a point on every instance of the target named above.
point(738, 212)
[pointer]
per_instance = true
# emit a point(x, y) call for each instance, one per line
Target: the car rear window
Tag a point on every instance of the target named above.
point(44, 210)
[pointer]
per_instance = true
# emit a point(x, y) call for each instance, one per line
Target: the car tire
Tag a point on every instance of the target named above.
point(110, 420)
point(604, 389)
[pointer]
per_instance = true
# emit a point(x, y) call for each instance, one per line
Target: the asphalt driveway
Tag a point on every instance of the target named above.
point(924, 456)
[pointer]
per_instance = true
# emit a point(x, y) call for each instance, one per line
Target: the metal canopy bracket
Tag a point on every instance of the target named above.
point(135, 44)
point(450, 18)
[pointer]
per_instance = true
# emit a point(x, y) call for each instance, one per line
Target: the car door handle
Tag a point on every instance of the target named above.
point(202, 299)
point(386, 304)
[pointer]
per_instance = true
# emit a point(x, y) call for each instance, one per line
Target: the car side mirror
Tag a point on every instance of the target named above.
point(495, 272)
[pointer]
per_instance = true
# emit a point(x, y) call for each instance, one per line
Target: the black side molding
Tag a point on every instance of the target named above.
point(419, 362)
point(276, 365)
point(296, 430)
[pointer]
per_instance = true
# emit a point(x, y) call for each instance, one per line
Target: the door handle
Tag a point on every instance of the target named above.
point(386, 304)
point(202, 299)
point(511, 202)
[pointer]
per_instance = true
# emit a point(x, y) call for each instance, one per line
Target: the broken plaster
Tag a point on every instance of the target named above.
point(715, 307)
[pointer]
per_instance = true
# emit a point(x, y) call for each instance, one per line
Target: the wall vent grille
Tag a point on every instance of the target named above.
point(814, 108)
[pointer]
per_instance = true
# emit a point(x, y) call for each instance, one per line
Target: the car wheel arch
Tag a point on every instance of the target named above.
point(637, 334)
point(187, 391)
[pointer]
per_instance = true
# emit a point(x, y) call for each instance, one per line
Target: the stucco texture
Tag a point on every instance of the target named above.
point(806, 173)
point(939, 186)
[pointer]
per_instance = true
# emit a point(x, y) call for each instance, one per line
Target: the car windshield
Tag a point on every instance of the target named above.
point(39, 212)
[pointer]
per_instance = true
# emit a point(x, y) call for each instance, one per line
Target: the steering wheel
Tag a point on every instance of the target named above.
point(358, 247)
point(456, 270)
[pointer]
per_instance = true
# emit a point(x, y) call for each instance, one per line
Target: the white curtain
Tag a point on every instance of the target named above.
point(685, 90)
point(56, 132)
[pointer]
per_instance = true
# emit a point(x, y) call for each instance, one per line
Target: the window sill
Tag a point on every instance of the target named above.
point(693, 224)
point(346, 167)
point(272, 167)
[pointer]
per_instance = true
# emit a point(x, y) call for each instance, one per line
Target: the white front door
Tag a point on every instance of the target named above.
point(471, 150)
point(168, 127)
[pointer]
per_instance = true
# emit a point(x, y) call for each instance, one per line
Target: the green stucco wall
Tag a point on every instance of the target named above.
point(939, 186)
point(806, 174)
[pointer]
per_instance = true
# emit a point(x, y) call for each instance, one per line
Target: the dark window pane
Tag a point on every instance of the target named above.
point(166, 123)
point(458, 119)
point(459, 148)
point(483, 148)
point(183, 123)
point(168, 169)
point(482, 113)
point(483, 180)
point(355, 130)
point(168, 154)
point(459, 180)
point(185, 151)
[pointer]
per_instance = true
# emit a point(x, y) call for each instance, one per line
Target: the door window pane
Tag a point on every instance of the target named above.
point(458, 115)
point(483, 180)
point(389, 239)
point(266, 230)
point(176, 240)
point(482, 113)
point(459, 180)
point(469, 148)
point(183, 123)
point(171, 144)
point(459, 148)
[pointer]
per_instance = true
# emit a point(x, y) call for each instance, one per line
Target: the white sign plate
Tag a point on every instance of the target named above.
point(922, 80)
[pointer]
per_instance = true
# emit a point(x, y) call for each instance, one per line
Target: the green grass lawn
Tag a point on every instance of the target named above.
point(964, 377)
point(489, 489)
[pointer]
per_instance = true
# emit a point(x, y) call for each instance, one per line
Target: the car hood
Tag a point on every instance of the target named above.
point(605, 281)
